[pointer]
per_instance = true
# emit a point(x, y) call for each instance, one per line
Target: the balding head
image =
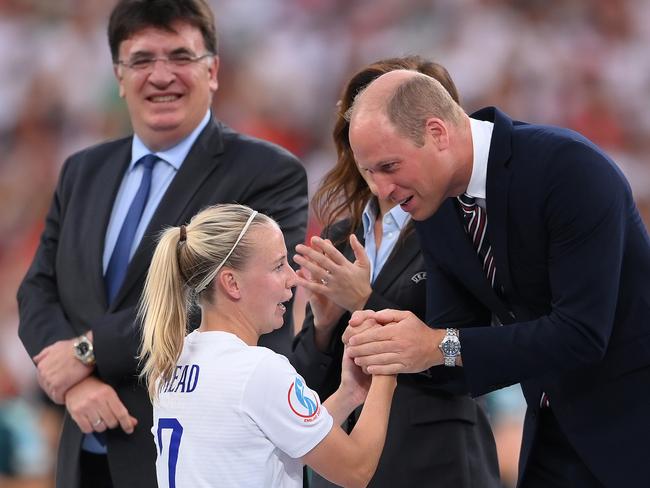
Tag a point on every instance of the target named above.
point(374, 96)
point(407, 99)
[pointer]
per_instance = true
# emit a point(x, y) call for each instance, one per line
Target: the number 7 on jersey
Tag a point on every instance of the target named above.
point(174, 444)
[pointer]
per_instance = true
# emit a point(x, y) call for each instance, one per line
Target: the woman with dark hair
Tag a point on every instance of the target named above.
point(370, 258)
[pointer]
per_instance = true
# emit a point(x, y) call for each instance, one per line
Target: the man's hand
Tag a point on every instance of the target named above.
point(404, 344)
point(95, 407)
point(59, 369)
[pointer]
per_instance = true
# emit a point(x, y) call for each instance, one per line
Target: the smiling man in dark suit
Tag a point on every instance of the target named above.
point(78, 300)
point(538, 272)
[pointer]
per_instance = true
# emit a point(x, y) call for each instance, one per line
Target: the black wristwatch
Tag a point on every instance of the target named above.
point(450, 347)
point(83, 350)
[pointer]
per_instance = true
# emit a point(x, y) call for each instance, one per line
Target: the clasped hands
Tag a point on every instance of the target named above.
point(93, 404)
point(391, 342)
point(58, 370)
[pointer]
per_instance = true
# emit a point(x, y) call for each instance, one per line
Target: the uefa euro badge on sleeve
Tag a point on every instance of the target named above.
point(303, 401)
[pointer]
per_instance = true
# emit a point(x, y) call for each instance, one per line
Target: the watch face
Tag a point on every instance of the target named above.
point(83, 348)
point(450, 347)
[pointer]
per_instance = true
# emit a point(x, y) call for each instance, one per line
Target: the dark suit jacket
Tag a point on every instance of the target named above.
point(573, 263)
point(434, 438)
point(63, 293)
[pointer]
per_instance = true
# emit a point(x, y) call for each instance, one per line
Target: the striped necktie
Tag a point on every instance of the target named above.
point(475, 222)
point(117, 266)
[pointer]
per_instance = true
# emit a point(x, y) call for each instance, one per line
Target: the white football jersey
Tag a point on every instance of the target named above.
point(234, 416)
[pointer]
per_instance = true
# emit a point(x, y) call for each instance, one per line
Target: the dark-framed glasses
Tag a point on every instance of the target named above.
point(146, 63)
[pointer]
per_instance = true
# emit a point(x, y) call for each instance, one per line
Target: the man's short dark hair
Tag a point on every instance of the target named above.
point(131, 16)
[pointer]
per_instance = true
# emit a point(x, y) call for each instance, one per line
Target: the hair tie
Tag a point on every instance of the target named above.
point(183, 237)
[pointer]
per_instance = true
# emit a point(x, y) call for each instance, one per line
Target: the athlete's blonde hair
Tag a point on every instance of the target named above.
point(183, 268)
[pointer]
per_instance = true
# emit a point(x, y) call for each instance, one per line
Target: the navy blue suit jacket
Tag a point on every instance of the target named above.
point(573, 264)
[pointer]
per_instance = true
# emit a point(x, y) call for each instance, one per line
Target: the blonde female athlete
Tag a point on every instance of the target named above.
point(226, 412)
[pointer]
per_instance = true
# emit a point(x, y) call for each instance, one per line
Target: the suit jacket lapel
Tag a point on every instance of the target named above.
point(498, 182)
point(406, 249)
point(107, 182)
point(199, 163)
point(455, 250)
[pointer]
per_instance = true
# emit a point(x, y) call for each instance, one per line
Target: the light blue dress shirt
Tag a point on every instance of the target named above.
point(162, 176)
point(393, 223)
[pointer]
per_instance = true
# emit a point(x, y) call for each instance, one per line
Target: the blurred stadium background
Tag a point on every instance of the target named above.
point(581, 64)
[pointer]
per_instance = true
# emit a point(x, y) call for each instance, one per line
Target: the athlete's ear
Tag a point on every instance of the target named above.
point(228, 281)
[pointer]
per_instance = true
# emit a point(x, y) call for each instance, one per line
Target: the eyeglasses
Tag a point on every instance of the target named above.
point(179, 60)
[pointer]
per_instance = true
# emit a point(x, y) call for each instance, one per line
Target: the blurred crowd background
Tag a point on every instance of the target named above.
point(573, 63)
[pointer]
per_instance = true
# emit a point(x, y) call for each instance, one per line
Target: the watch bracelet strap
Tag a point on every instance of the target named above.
point(450, 361)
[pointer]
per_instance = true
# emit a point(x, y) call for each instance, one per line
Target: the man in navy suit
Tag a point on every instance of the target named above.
point(78, 301)
point(538, 272)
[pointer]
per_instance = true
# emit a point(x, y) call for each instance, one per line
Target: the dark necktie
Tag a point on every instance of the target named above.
point(116, 270)
point(475, 221)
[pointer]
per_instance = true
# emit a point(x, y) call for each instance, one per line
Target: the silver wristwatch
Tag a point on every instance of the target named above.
point(450, 347)
point(83, 350)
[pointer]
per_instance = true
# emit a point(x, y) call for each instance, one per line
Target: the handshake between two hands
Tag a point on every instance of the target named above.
point(391, 342)
point(385, 342)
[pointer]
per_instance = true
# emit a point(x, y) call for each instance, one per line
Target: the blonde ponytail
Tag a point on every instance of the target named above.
point(182, 271)
point(163, 311)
